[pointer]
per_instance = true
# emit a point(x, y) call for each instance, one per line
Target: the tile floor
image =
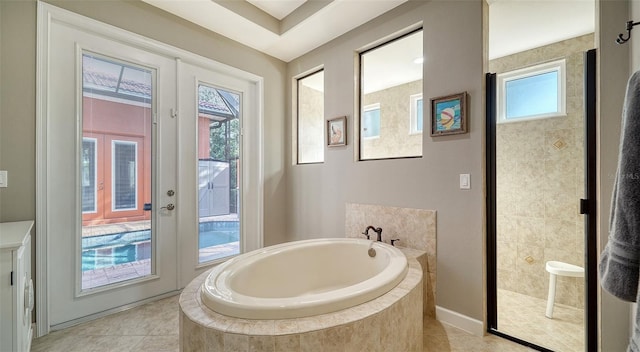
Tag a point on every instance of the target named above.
point(523, 316)
point(154, 327)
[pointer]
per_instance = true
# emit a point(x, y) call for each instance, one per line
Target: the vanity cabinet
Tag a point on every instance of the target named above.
point(16, 287)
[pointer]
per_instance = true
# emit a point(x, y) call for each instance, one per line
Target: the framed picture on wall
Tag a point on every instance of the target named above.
point(337, 131)
point(449, 115)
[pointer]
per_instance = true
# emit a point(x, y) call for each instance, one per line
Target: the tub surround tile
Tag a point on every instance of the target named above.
point(311, 324)
point(285, 326)
point(287, 343)
point(364, 336)
point(214, 341)
point(235, 343)
point(262, 344)
point(192, 335)
point(416, 229)
point(357, 328)
point(253, 327)
point(311, 341)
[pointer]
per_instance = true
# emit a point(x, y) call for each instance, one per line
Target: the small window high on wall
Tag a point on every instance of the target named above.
point(391, 109)
point(532, 93)
point(416, 113)
point(311, 118)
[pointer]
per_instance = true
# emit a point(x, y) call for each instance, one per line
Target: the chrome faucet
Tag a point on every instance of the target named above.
point(376, 230)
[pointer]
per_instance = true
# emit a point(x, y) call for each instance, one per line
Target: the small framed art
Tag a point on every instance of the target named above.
point(337, 131)
point(449, 115)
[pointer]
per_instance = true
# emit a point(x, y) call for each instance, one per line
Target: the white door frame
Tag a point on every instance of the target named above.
point(253, 198)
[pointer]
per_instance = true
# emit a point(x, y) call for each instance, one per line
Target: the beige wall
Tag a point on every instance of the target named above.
point(17, 114)
point(317, 194)
point(540, 174)
point(395, 138)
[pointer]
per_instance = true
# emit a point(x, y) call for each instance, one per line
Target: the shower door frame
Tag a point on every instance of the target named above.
point(588, 207)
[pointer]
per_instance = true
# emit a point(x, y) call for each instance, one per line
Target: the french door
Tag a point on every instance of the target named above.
point(149, 167)
point(216, 167)
point(111, 176)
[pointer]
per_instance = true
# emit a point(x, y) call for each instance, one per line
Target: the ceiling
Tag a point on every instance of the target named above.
point(518, 25)
point(287, 29)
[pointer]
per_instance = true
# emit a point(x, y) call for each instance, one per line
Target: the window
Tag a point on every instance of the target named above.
point(390, 90)
point(311, 118)
point(125, 174)
point(89, 175)
point(415, 113)
point(532, 93)
point(219, 117)
point(371, 121)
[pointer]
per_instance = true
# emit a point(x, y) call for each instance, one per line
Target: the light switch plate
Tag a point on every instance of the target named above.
point(4, 181)
point(465, 181)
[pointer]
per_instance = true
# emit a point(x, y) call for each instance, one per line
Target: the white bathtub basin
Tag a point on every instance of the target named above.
point(303, 278)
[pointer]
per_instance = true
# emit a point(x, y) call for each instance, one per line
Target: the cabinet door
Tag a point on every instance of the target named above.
point(25, 295)
point(19, 309)
point(6, 300)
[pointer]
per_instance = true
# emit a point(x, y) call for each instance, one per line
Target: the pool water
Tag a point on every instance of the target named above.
point(113, 249)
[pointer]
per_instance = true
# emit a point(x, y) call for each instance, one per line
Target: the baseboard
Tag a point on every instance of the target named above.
point(470, 325)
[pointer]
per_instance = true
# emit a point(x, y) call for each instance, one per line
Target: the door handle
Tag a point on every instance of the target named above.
point(169, 206)
point(584, 206)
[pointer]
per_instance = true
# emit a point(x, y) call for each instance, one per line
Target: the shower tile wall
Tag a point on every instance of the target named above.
point(416, 229)
point(540, 177)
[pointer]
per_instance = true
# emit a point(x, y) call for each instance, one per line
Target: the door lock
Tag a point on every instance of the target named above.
point(169, 206)
point(170, 193)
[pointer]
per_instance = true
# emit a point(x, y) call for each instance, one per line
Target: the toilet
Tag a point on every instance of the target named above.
point(563, 269)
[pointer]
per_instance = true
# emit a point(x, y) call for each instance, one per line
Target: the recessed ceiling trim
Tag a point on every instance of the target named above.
point(315, 24)
point(303, 12)
point(252, 13)
point(277, 8)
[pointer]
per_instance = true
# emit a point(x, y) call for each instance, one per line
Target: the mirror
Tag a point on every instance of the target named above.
point(391, 105)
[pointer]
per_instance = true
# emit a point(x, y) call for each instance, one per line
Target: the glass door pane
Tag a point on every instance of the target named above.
point(219, 113)
point(115, 171)
point(539, 179)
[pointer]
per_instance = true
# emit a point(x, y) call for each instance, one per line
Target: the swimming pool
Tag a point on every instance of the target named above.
point(120, 248)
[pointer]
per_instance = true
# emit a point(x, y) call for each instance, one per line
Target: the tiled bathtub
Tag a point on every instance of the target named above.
point(391, 322)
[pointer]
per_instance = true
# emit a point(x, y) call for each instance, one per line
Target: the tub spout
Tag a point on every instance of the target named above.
point(376, 230)
point(371, 251)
